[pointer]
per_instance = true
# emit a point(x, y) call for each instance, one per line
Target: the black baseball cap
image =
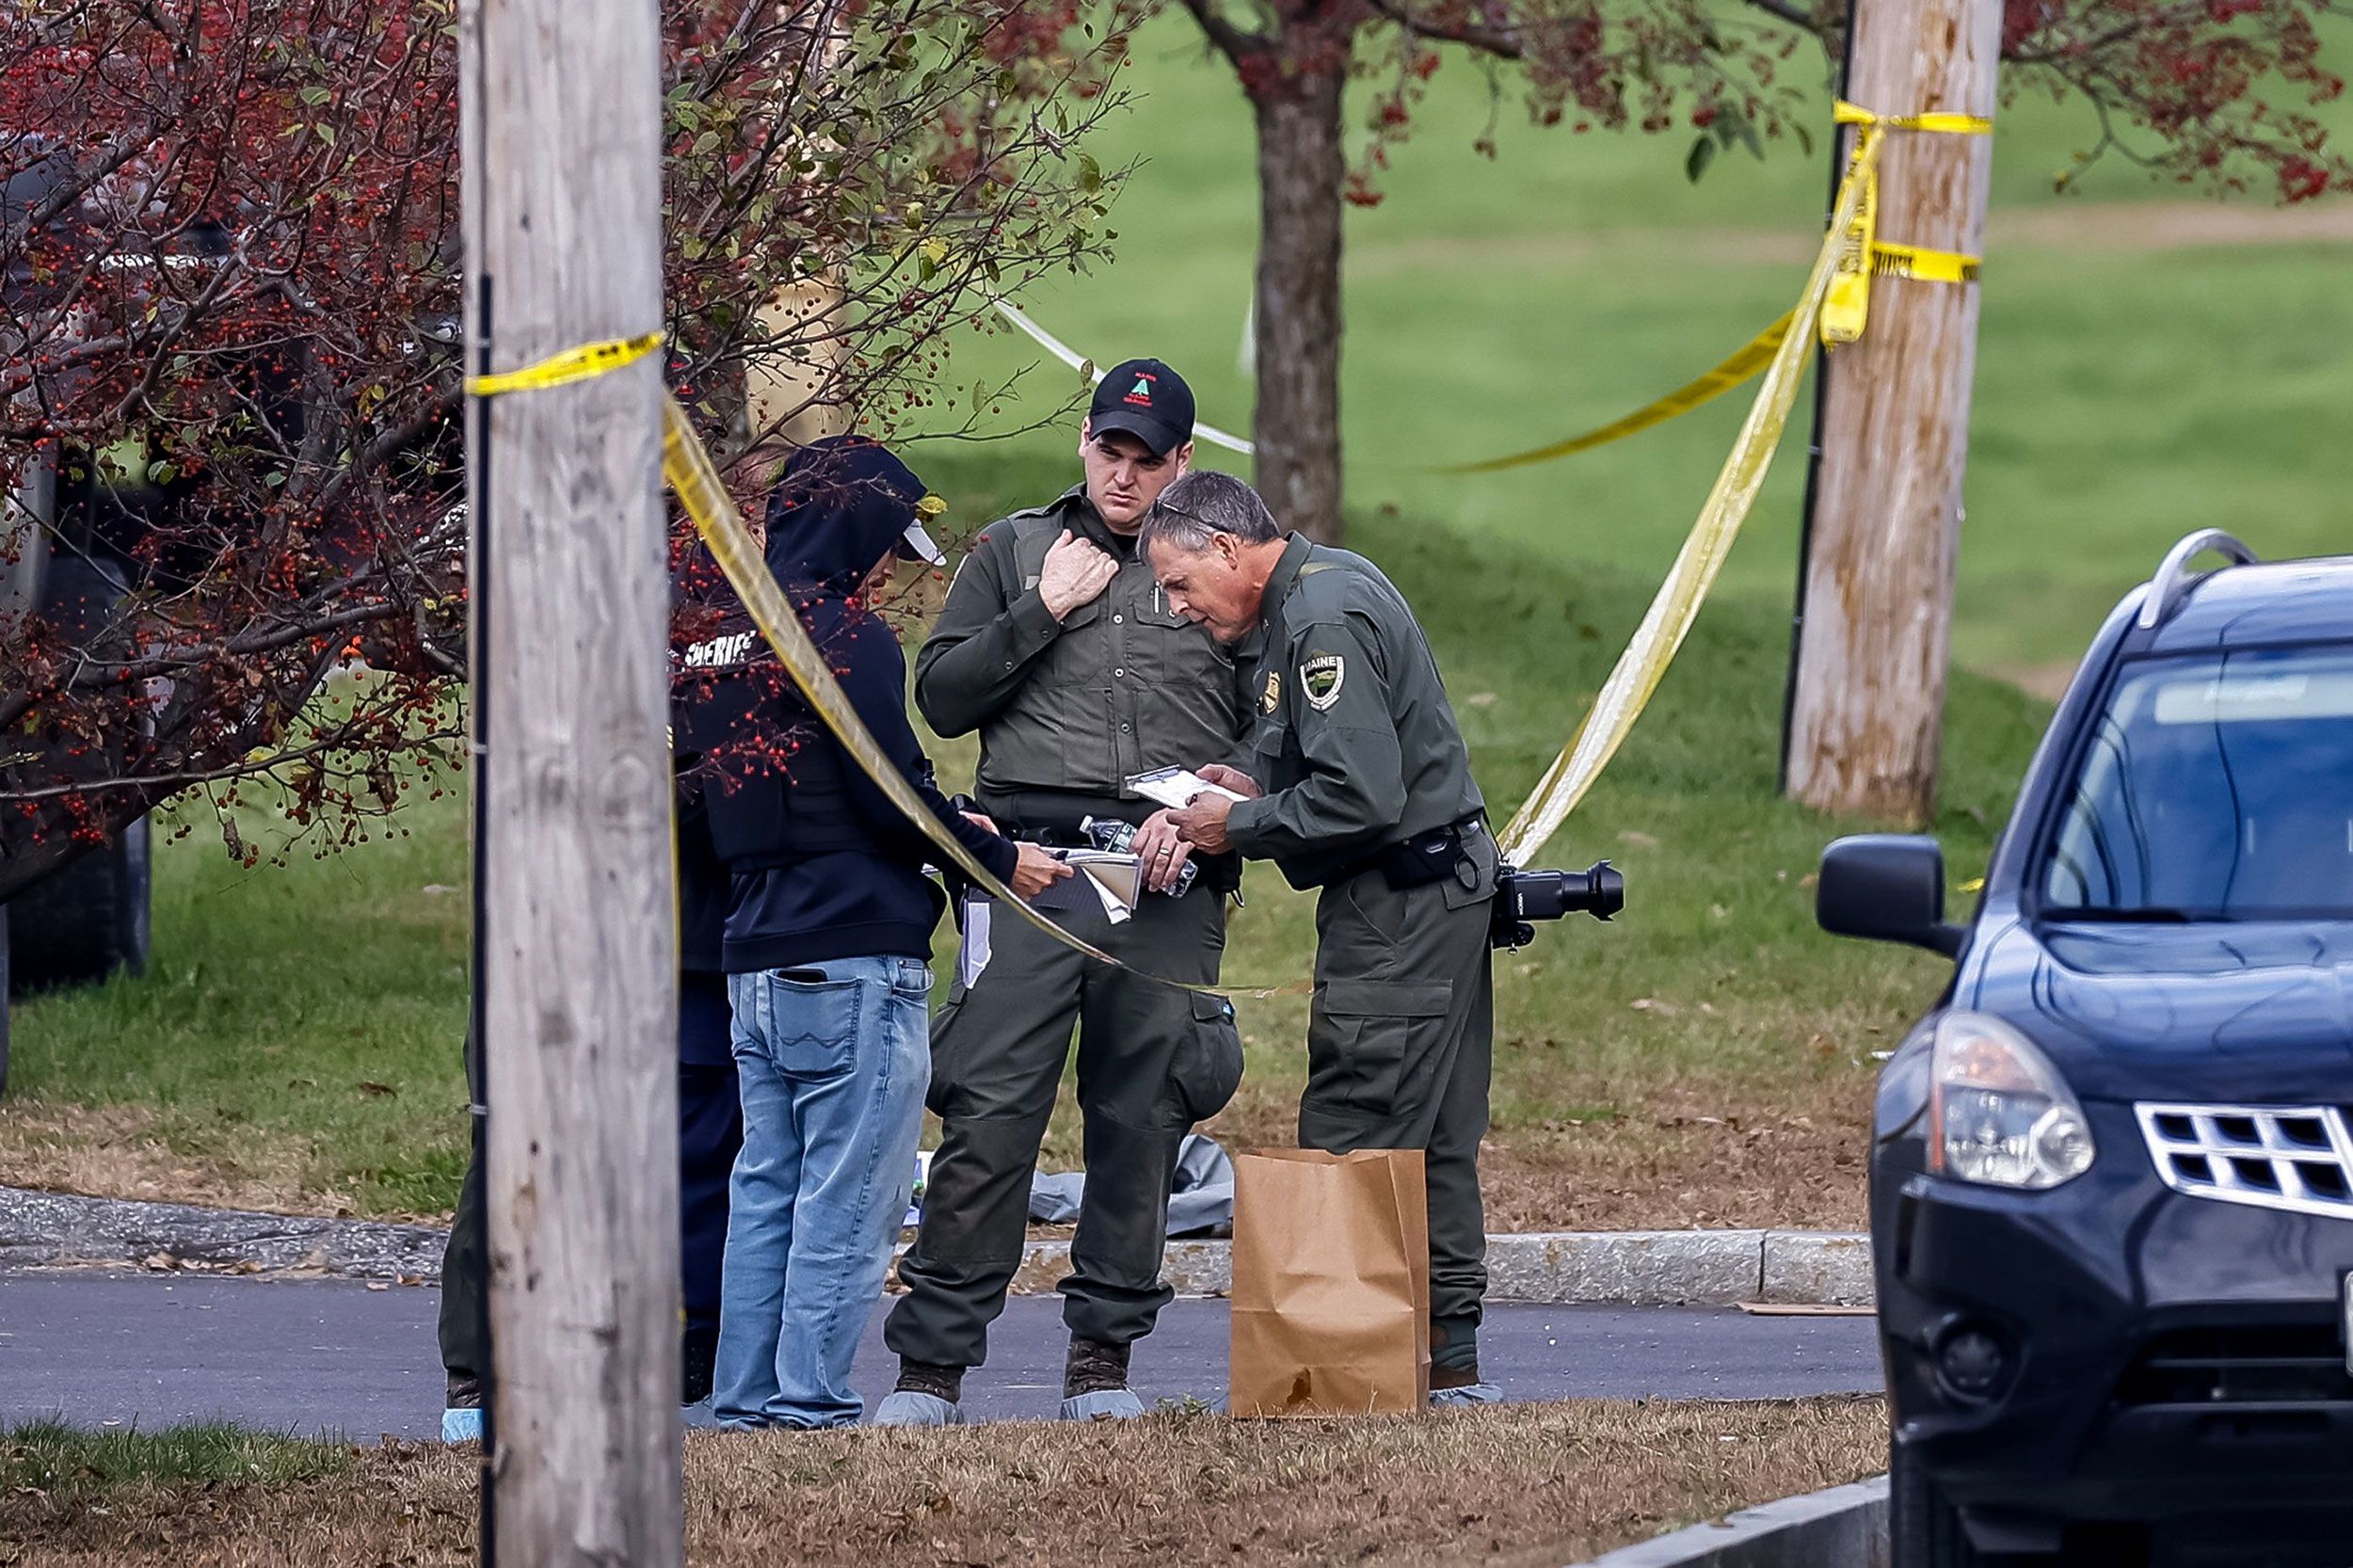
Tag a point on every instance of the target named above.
point(1147, 400)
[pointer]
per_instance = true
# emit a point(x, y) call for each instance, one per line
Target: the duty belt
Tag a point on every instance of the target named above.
point(1427, 858)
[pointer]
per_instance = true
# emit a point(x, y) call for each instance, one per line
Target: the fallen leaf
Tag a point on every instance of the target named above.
point(368, 1088)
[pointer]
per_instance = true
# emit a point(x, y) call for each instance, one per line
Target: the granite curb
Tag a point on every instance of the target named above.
point(1636, 1268)
point(1843, 1528)
point(55, 1227)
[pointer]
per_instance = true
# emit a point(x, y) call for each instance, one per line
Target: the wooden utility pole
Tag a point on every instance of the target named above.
point(570, 593)
point(1867, 713)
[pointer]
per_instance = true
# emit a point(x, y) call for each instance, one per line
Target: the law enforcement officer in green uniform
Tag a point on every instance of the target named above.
point(1057, 646)
point(1359, 784)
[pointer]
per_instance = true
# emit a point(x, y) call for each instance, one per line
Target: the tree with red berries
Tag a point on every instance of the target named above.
point(2204, 91)
point(229, 355)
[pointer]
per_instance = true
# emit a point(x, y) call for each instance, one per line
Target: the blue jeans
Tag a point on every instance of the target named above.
point(833, 1075)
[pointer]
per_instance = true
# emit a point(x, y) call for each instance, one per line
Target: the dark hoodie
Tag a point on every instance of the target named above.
point(822, 865)
point(702, 604)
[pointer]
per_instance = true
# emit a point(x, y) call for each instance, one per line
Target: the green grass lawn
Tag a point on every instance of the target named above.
point(49, 1471)
point(1706, 1058)
point(294, 1040)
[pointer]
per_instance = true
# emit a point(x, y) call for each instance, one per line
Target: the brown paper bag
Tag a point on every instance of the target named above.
point(1331, 1283)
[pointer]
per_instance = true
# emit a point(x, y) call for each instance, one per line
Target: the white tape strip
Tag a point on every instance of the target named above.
point(1070, 357)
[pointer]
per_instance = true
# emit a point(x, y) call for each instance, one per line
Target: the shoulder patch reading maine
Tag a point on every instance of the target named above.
point(1321, 678)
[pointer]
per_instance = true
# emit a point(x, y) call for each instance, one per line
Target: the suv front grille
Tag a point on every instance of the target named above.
point(2274, 1364)
point(2296, 1157)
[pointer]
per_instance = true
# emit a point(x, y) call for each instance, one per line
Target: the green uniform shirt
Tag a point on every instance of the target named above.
point(1122, 685)
point(1356, 745)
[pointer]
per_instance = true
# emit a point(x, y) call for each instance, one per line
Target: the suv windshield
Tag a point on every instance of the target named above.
point(2218, 787)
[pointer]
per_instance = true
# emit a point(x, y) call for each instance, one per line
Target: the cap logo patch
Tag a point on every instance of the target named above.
point(1141, 393)
point(1321, 678)
point(1271, 698)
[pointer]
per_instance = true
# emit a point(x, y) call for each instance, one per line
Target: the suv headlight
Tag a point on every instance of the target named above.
point(1998, 1112)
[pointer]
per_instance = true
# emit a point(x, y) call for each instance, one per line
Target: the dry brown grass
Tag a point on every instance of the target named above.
point(1760, 1152)
point(126, 1151)
point(1787, 1157)
point(1519, 1486)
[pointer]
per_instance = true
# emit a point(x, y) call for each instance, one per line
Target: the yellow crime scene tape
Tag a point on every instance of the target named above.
point(1845, 253)
point(573, 364)
point(1645, 663)
point(1844, 313)
point(1744, 364)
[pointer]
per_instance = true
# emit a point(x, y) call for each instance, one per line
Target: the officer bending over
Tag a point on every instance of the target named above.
point(1359, 784)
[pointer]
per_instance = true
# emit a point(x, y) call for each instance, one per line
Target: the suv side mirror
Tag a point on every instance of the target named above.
point(1887, 887)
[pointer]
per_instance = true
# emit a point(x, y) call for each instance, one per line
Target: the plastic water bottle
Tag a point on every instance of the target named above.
point(1113, 836)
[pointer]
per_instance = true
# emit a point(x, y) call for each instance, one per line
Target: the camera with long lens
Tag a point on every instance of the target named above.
point(1525, 897)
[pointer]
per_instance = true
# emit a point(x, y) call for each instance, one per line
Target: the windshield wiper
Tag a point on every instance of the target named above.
point(2126, 915)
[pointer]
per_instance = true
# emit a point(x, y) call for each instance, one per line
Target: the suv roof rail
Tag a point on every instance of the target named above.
point(2172, 583)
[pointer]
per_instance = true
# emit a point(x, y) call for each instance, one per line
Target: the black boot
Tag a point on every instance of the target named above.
point(927, 1396)
point(1094, 1383)
point(940, 1382)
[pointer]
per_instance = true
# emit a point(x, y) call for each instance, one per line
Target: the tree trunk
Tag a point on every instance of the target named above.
point(578, 982)
point(1868, 713)
point(1296, 428)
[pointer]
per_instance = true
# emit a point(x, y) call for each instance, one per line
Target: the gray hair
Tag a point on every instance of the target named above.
point(1201, 504)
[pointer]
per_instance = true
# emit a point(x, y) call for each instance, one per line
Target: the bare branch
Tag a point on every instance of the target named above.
point(1802, 20)
point(1232, 41)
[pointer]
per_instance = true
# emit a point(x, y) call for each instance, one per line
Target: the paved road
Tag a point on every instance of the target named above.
point(333, 1356)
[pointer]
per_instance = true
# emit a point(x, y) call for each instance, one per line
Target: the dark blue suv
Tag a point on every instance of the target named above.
point(2112, 1171)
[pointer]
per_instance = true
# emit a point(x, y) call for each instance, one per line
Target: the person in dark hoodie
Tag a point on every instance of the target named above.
point(710, 1105)
point(828, 943)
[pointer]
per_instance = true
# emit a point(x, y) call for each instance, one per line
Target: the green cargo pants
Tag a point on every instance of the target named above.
point(1400, 1042)
point(1153, 1060)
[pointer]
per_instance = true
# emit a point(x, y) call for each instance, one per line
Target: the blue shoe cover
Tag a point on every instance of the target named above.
point(462, 1425)
point(1470, 1393)
point(905, 1408)
point(1109, 1405)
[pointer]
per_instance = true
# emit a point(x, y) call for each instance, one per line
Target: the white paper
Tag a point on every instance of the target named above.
point(1178, 786)
point(1113, 881)
point(973, 953)
point(1118, 880)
